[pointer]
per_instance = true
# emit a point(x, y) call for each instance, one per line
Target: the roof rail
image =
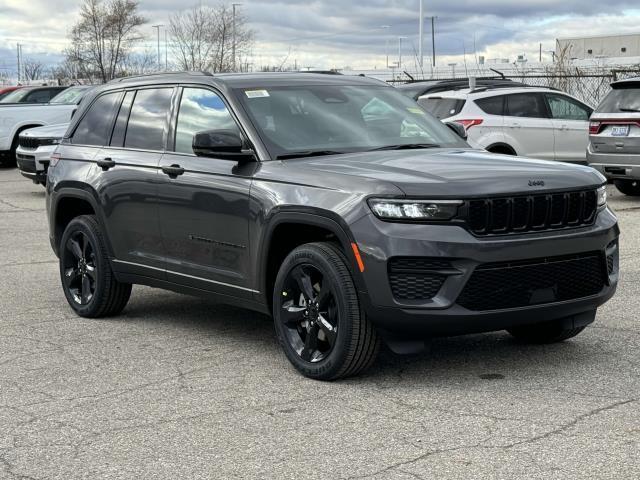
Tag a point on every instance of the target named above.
point(158, 74)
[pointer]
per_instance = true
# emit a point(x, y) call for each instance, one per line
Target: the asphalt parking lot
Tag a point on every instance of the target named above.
point(179, 387)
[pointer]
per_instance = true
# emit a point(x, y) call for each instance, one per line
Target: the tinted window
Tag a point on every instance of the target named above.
point(566, 108)
point(120, 128)
point(526, 105)
point(442, 107)
point(621, 100)
point(148, 119)
point(41, 95)
point(200, 110)
point(95, 126)
point(492, 105)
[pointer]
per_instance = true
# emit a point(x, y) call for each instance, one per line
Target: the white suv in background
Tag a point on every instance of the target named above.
point(534, 122)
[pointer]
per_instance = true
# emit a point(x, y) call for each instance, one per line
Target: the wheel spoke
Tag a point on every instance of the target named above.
point(70, 274)
point(324, 295)
point(310, 344)
point(91, 272)
point(291, 314)
point(75, 248)
point(85, 246)
point(86, 290)
point(304, 283)
point(328, 329)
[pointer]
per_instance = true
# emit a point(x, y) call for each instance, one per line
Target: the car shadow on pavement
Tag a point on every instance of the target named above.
point(488, 357)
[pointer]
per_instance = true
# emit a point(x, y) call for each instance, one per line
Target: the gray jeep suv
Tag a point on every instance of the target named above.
point(614, 136)
point(334, 203)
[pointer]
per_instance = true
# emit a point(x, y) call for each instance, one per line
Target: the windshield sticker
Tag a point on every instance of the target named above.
point(256, 93)
point(416, 110)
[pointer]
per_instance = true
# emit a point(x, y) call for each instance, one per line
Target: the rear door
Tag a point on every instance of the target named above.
point(527, 126)
point(126, 175)
point(571, 127)
point(204, 209)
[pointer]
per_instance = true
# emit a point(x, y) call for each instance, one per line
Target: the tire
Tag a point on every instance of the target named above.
point(85, 272)
point(550, 332)
point(318, 318)
point(628, 187)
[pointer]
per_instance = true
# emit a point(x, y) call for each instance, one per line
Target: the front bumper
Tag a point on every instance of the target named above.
point(381, 241)
point(33, 163)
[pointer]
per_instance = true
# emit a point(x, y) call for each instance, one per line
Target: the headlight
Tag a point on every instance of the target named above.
point(390, 209)
point(602, 196)
point(49, 141)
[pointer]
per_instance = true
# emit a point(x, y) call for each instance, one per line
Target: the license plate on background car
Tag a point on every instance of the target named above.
point(620, 131)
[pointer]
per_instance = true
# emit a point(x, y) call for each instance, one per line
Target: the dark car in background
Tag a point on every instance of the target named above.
point(333, 203)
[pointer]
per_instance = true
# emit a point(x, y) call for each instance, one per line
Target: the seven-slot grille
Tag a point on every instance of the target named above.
point(495, 286)
point(29, 142)
point(499, 216)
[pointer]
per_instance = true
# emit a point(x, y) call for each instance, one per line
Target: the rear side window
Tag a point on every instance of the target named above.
point(95, 126)
point(621, 100)
point(148, 119)
point(442, 107)
point(491, 105)
point(526, 105)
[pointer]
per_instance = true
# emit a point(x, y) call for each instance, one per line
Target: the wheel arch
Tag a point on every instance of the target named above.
point(316, 225)
point(501, 147)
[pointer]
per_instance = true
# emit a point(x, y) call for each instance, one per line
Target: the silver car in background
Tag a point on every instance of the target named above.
point(35, 147)
point(614, 136)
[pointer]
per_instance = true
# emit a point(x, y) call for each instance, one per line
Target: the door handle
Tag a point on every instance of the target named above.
point(106, 164)
point(173, 170)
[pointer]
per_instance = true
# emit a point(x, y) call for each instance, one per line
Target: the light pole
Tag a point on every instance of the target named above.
point(157, 27)
point(421, 34)
point(400, 52)
point(233, 38)
point(386, 44)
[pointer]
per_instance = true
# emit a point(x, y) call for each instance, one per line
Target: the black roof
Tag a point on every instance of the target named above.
point(417, 89)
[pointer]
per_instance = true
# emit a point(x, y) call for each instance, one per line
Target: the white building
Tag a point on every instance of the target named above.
point(602, 46)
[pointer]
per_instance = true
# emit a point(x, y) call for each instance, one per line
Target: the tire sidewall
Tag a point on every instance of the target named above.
point(84, 225)
point(332, 364)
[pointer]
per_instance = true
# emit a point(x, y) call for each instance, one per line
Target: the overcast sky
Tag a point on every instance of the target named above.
point(338, 33)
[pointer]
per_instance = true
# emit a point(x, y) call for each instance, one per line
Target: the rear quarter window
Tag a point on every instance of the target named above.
point(442, 107)
point(491, 105)
point(621, 100)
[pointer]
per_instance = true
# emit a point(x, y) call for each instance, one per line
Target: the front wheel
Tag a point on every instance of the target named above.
point(628, 187)
point(317, 314)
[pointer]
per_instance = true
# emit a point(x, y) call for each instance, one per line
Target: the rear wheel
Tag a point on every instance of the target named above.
point(628, 187)
point(317, 314)
point(87, 280)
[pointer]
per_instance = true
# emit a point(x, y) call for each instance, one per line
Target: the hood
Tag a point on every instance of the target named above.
point(455, 173)
point(48, 131)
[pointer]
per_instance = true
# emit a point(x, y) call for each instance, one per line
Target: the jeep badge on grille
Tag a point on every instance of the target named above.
point(536, 183)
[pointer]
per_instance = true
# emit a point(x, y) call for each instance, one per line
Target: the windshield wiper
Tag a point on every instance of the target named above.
point(630, 109)
point(308, 153)
point(406, 146)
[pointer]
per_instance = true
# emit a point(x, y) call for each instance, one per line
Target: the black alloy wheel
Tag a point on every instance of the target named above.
point(319, 322)
point(80, 270)
point(309, 313)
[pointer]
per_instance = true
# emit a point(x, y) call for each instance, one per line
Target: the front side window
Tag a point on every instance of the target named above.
point(526, 105)
point(148, 119)
point(200, 110)
point(70, 96)
point(95, 126)
point(342, 118)
point(565, 108)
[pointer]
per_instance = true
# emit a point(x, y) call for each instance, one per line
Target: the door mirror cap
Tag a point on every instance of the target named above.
point(222, 144)
point(458, 129)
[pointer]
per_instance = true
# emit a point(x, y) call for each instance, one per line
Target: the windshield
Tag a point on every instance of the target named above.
point(341, 119)
point(16, 96)
point(69, 96)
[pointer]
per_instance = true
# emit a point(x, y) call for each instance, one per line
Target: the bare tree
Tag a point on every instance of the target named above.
point(203, 38)
point(104, 36)
point(33, 69)
point(139, 63)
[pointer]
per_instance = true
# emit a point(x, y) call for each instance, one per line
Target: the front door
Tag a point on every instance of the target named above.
point(527, 126)
point(204, 203)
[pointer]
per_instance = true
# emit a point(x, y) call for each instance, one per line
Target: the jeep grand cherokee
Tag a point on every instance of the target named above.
point(334, 203)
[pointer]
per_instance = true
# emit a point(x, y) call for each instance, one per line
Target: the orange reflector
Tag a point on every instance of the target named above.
point(356, 253)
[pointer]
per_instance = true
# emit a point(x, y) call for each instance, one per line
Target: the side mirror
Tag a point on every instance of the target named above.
point(458, 129)
point(222, 144)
